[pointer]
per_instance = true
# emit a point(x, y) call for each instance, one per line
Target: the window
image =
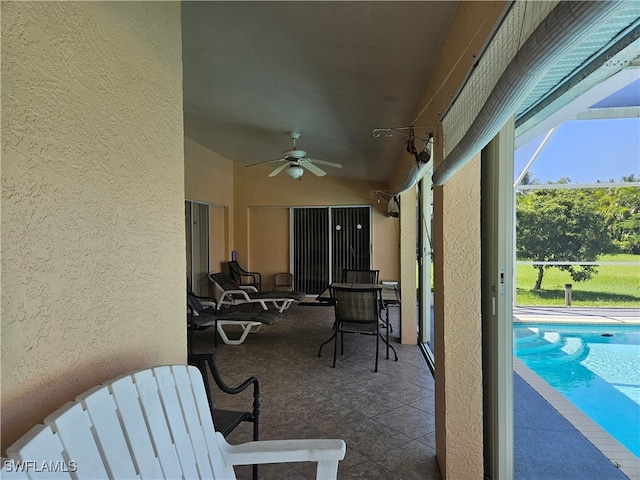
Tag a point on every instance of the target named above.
point(197, 236)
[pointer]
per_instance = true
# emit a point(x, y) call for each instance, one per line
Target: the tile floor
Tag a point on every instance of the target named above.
point(386, 418)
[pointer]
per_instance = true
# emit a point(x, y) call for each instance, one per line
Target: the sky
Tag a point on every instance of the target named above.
point(585, 151)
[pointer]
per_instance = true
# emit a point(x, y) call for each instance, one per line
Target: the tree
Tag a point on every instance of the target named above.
point(621, 209)
point(527, 179)
point(561, 225)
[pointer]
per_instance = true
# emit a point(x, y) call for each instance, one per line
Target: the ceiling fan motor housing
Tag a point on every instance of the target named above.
point(294, 153)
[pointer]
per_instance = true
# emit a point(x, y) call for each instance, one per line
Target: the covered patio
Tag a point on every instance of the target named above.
point(386, 418)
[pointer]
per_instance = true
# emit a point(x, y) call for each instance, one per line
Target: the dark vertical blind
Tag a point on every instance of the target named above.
point(351, 239)
point(326, 241)
point(311, 249)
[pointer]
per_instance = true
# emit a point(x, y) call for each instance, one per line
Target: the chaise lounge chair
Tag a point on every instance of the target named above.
point(232, 294)
point(204, 313)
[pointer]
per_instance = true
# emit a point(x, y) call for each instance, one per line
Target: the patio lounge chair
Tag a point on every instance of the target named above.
point(232, 294)
point(204, 313)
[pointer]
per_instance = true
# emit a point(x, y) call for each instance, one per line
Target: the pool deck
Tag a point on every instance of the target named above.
point(595, 316)
point(611, 448)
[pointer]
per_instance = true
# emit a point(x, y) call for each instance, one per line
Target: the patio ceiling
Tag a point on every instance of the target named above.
point(333, 71)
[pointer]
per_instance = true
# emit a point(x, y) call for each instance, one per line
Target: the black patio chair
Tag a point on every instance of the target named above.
point(242, 277)
point(360, 276)
point(356, 311)
point(224, 420)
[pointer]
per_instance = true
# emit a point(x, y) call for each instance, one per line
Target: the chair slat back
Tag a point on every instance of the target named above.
point(109, 435)
point(194, 420)
point(38, 443)
point(159, 433)
point(125, 396)
point(72, 423)
point(10, 470)
point(154, 423)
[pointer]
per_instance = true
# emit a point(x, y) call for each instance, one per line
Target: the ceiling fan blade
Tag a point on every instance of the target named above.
point(268, 161)
point(279, 169)
point(313, 169)
point(324, 162)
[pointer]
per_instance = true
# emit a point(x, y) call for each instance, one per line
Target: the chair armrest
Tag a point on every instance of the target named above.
point(256, 276)
point(282, 451)
point(248, 288)
point(233, 390)
point(206, 301)
point(230, 294)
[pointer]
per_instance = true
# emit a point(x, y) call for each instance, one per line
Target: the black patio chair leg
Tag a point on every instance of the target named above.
point(377, 344)
point(327, 341)
point(201, 361)
point(389, 346)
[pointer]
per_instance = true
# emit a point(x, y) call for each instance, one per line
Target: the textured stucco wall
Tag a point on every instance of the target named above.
point(458, 340)
point(269, 241)
point(456, 256)
point(208, 178)
point(93, 262)
point(257, 226)
point(408, 235)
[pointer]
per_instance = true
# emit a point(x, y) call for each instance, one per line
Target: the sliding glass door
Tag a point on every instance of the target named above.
point(327, 240)
point(197, 236)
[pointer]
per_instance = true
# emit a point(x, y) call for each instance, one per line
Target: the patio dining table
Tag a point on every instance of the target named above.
point(389, 296)
point(389, 292)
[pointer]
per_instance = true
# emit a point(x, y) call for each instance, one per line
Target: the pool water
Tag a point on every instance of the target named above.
point(597, 368)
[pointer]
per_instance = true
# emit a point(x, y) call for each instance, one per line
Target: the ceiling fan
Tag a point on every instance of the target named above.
point(295, 161)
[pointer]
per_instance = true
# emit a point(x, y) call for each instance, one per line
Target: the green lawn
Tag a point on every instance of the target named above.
point(612, 286)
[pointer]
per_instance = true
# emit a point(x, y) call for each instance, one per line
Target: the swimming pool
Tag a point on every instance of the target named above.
point(597, 368)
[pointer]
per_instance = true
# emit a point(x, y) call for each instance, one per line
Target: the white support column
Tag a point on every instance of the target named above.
point(408, 235)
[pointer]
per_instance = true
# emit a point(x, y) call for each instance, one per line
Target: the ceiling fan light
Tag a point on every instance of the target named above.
point(295, 171)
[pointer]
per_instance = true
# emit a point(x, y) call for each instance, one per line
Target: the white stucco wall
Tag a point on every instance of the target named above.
point(93, 255)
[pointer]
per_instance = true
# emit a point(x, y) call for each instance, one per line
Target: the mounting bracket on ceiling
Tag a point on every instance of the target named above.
point(406, 131)
point(393, 202)
point(378, 193)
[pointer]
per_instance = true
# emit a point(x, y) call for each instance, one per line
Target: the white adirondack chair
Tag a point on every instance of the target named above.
point(154, 423)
